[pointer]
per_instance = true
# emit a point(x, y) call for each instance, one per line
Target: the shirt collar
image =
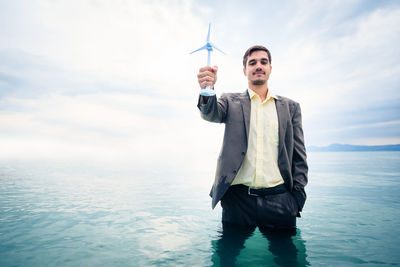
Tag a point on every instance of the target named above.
point(269, 94)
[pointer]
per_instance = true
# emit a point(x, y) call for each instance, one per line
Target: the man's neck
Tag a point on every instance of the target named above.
point(260, 90)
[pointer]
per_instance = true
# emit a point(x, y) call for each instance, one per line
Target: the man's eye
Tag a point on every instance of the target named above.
point(252, 63)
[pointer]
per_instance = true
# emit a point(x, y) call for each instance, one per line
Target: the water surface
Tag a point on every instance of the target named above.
point(68, 214)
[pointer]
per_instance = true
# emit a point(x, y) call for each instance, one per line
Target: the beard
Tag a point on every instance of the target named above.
point(259, 82)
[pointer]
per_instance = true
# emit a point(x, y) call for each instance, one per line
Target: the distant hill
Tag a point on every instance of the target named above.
point(348, 148)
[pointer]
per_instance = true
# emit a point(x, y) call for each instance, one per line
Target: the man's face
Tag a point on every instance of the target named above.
point(258, 68)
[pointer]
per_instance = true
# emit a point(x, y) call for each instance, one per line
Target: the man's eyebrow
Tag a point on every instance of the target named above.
point(261, 59)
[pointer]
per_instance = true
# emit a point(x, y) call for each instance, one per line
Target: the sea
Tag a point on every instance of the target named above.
point(69, 213)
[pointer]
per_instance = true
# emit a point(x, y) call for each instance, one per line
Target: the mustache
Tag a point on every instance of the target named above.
point(258, 71)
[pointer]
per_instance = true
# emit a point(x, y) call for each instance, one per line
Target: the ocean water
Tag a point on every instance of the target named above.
point(79, 214)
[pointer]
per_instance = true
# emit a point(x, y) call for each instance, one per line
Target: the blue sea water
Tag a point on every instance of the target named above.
point(79, 214)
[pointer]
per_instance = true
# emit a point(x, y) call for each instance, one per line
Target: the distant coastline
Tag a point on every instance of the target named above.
point(349, 148)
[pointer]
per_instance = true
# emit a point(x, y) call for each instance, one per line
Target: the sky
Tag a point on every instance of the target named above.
point(114, 81)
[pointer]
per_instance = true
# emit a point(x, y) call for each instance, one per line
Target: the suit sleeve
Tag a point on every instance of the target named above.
point(213, 109)
point(299, 160)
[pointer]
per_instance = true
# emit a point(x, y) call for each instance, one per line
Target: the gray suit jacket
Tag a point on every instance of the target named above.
point(233, 109)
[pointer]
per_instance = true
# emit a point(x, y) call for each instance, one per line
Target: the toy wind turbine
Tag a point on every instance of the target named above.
point(209, 46)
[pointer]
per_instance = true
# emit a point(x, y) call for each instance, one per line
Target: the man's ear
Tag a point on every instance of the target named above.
point(244, 71)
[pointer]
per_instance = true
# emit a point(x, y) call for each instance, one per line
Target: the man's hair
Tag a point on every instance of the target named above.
point(255, 48)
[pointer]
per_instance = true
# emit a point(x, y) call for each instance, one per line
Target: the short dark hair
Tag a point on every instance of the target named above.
point(253, 49)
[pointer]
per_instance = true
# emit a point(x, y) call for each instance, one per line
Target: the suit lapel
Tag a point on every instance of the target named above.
point(246, 108)
point(283, 117)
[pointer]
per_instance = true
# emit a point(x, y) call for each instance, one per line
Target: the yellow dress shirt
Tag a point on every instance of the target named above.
point(260, 165)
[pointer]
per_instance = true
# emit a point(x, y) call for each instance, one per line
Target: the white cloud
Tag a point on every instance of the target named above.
point(333, 76)
point(140, 42)
point(151, 133)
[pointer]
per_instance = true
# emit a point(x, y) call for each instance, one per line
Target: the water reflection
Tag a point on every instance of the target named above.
point(237, 246)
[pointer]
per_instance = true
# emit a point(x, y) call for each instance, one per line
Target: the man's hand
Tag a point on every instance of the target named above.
point(207, 76)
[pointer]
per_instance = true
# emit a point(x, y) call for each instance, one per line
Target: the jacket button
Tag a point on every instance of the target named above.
point(234, 171)
point(243, 153)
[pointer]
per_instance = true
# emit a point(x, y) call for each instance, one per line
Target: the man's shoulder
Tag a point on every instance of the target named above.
point(233, 96)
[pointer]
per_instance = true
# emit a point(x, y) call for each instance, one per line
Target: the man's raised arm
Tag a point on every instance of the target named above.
point(210, 108)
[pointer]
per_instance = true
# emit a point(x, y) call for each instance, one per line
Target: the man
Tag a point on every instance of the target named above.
point(262, 169)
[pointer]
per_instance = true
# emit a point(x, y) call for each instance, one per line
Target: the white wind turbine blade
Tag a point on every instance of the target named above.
point(201, 48)
point(213, 45)
point(208, 34)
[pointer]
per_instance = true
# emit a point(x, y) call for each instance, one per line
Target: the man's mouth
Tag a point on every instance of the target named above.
point(259, 72)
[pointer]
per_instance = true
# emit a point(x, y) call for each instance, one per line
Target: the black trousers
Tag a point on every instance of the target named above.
point(271, 211)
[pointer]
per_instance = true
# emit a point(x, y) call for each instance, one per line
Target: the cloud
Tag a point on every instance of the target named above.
point(346, 78)
point(151, 133)
point(138, 42)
